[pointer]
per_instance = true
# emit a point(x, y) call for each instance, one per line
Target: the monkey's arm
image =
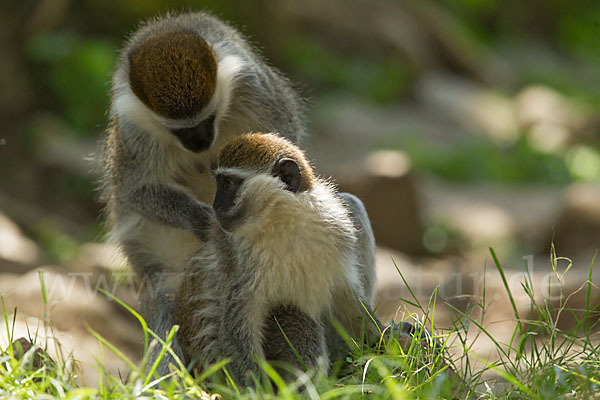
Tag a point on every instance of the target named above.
point(172, 207)
point(132, 182)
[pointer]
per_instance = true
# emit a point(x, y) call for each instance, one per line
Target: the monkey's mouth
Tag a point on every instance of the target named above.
point(197, 138)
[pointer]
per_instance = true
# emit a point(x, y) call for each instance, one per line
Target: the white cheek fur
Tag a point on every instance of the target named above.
point(128, 106)
point(227, 72)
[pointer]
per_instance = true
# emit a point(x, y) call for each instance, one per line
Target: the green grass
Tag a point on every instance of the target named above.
point(540, 361)
point(482, 160)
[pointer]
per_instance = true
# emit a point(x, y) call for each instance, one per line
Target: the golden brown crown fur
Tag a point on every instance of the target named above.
point(262, 151)
point(174, 73)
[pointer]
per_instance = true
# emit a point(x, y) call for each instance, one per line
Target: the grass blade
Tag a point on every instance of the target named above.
point(298, 357)
point(510, 295)
point(141, 320)
point(112, 348)
point(164, 349)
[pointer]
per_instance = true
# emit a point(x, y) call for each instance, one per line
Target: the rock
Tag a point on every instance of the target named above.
point(385, 185)
point(18, 253)
point(99, 258)
point(39, 357)
point(567, 297)
point(551, 119)
point(346, 128)
point(563, 292)
point(103, 263)
point(542, 104)
point(423, 277)
point(344, 147)
point(463, 287)
point(445, 288)
point(469, 105)
point(577, 227)
point(487, 215)
point(73, 304)
point(71, 346)
point(60, 323)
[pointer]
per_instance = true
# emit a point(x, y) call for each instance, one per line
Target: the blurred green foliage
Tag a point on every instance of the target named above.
point(61, 246)
point(572, 26)
point(75, 71)
point(376, 79)
point(71, 67)
point(579, 33)
point(479, 160)
point(584, 163)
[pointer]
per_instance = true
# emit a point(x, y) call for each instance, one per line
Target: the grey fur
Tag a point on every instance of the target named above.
point(224, 279)
point(240, 324)
point(306, 335)
point(151, 194)
point(262, 96)
point(366, 244)
point(353, 307)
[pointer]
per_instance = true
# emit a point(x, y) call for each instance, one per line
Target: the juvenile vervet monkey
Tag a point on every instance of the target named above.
point(184, 85)
point(286, 246)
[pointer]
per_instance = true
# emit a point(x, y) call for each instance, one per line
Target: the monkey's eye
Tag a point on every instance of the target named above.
point(227, 183)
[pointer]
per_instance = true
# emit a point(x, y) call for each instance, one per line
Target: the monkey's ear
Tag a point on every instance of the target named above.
point(288, 171)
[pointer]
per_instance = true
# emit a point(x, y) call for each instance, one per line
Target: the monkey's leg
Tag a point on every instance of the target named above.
point(293, 340)
point(158, 309)
point(156, 295)
point(240, 332)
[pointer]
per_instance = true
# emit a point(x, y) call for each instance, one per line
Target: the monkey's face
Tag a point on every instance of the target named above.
point(197, 138)
point(174, 73)
point(245, 196)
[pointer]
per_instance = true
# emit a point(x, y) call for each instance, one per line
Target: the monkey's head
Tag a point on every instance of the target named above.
point(174, 74)
point(257, 176)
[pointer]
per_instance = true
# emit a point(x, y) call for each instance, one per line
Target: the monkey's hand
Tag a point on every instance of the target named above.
point(202, 221)
point(431, 347)
point(405, 332)
point(173, 207)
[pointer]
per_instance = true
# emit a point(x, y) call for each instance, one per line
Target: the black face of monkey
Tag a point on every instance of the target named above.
point(227, 189)
point(197, 138)
point(231, 214)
